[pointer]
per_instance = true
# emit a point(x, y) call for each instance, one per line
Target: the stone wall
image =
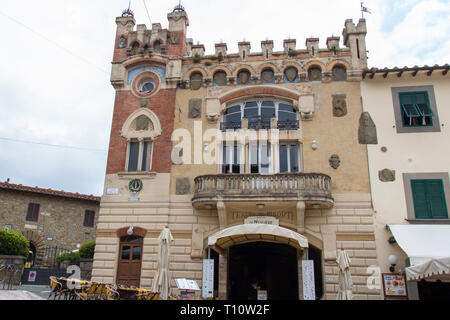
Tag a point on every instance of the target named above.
point(60, 219)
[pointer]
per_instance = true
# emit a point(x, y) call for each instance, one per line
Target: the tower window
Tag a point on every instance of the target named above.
point(139, 155)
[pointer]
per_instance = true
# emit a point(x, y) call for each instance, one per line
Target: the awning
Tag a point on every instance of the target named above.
point(256, 232)
point(427, 246)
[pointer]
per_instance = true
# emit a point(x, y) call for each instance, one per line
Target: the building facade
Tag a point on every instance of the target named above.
point(255, 159)
point(409, 171)
point(51, 220)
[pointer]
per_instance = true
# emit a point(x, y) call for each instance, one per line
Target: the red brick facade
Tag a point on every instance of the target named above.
point(163, 105)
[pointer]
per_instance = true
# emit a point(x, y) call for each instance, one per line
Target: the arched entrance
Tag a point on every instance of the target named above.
point(273, 265)
point(37, 244)
point(269, 253)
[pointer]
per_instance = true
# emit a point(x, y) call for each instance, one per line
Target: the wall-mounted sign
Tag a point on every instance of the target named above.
point(7, 227)
point(32, 276)
point(394, 286)
point(208, 279)
point(49, 239)
point(262, 220)
point(112, 191)
point(309, 288)
point(135, 185)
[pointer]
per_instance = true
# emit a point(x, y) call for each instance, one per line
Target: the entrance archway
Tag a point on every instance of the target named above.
point(273, 265)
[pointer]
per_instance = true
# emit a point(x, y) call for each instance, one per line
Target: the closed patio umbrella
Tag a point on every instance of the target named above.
point(345, 278)
point(161, 281)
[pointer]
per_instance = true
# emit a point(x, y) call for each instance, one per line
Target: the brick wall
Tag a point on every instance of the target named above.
point(163, 105)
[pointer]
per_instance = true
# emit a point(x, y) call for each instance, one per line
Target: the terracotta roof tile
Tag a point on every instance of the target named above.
point(19, 187)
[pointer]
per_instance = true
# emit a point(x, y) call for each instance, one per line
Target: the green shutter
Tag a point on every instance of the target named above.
point(429, 199)
point(420, 199)
point(436, 199)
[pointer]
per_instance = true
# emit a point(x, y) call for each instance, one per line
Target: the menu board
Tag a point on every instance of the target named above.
point(394, 285)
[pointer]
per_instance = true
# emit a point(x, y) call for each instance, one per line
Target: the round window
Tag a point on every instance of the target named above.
point(146, 87)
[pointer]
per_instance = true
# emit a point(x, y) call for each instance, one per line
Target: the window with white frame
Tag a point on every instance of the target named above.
point(139, 155)
point(258, 158)
point(289, 158)
point(231, 158)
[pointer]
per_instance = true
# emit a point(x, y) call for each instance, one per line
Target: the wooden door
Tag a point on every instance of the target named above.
point(130, 261)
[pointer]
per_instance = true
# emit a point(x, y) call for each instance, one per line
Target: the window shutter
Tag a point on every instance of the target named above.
point(89, 217)
point(420, 199)
point(436, 199)
point(33, 212)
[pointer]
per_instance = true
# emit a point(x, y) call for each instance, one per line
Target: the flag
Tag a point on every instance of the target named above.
point(364, 9)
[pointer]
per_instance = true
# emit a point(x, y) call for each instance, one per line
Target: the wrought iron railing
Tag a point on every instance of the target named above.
point(261, 123)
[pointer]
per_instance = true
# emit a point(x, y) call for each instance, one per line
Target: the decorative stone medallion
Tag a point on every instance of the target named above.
point(122, 42)
point(220, 78)
point(291, 74)
point(195, 108)
point(339, 105)
point(196, 81)
point(135, 185)
point(334, 161)
point(267, 76)
point(244, 77)
point(386, 175)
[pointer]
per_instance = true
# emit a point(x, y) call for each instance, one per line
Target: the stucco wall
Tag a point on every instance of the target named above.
point(406, 152)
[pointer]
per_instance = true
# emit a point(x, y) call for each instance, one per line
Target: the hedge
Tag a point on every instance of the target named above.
point(87, 250)
point(13, 244)
point(68, 256)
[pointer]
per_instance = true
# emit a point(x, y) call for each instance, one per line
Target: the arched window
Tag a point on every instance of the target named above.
point(196, 81)
point(267, 76)
point(259, 114)
point(244, 77)
point(339, 73)
point(140, 130)
point(220, 78)
point(315, 73)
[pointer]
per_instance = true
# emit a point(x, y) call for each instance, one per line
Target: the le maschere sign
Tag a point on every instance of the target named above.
point(262, 220)
point(208, 279)
point(309, 289)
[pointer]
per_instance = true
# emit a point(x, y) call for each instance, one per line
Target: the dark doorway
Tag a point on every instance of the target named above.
point(273, 265)
point(434, 290)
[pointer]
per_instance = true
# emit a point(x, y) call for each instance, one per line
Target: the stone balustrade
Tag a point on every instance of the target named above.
point(313, 188)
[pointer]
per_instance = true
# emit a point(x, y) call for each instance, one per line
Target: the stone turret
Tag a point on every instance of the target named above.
point(355, 39)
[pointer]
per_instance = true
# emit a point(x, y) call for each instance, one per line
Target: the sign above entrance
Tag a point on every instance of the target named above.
point(262, 220)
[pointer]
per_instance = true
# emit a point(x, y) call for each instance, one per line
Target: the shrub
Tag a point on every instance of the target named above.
point(68, 256)
point(87, 250)
point(13, 244)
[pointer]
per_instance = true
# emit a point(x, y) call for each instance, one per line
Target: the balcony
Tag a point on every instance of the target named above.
point(312, 188)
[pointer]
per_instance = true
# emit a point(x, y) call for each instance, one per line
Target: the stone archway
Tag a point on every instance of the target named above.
point(39, 243)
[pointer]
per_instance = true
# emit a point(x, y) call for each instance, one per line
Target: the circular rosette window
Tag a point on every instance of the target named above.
point(145, 85)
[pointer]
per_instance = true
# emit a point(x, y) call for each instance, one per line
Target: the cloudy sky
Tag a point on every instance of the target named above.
point(56, 101)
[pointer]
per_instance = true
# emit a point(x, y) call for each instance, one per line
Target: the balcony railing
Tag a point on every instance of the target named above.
point(261, 123)
point(308, 187)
